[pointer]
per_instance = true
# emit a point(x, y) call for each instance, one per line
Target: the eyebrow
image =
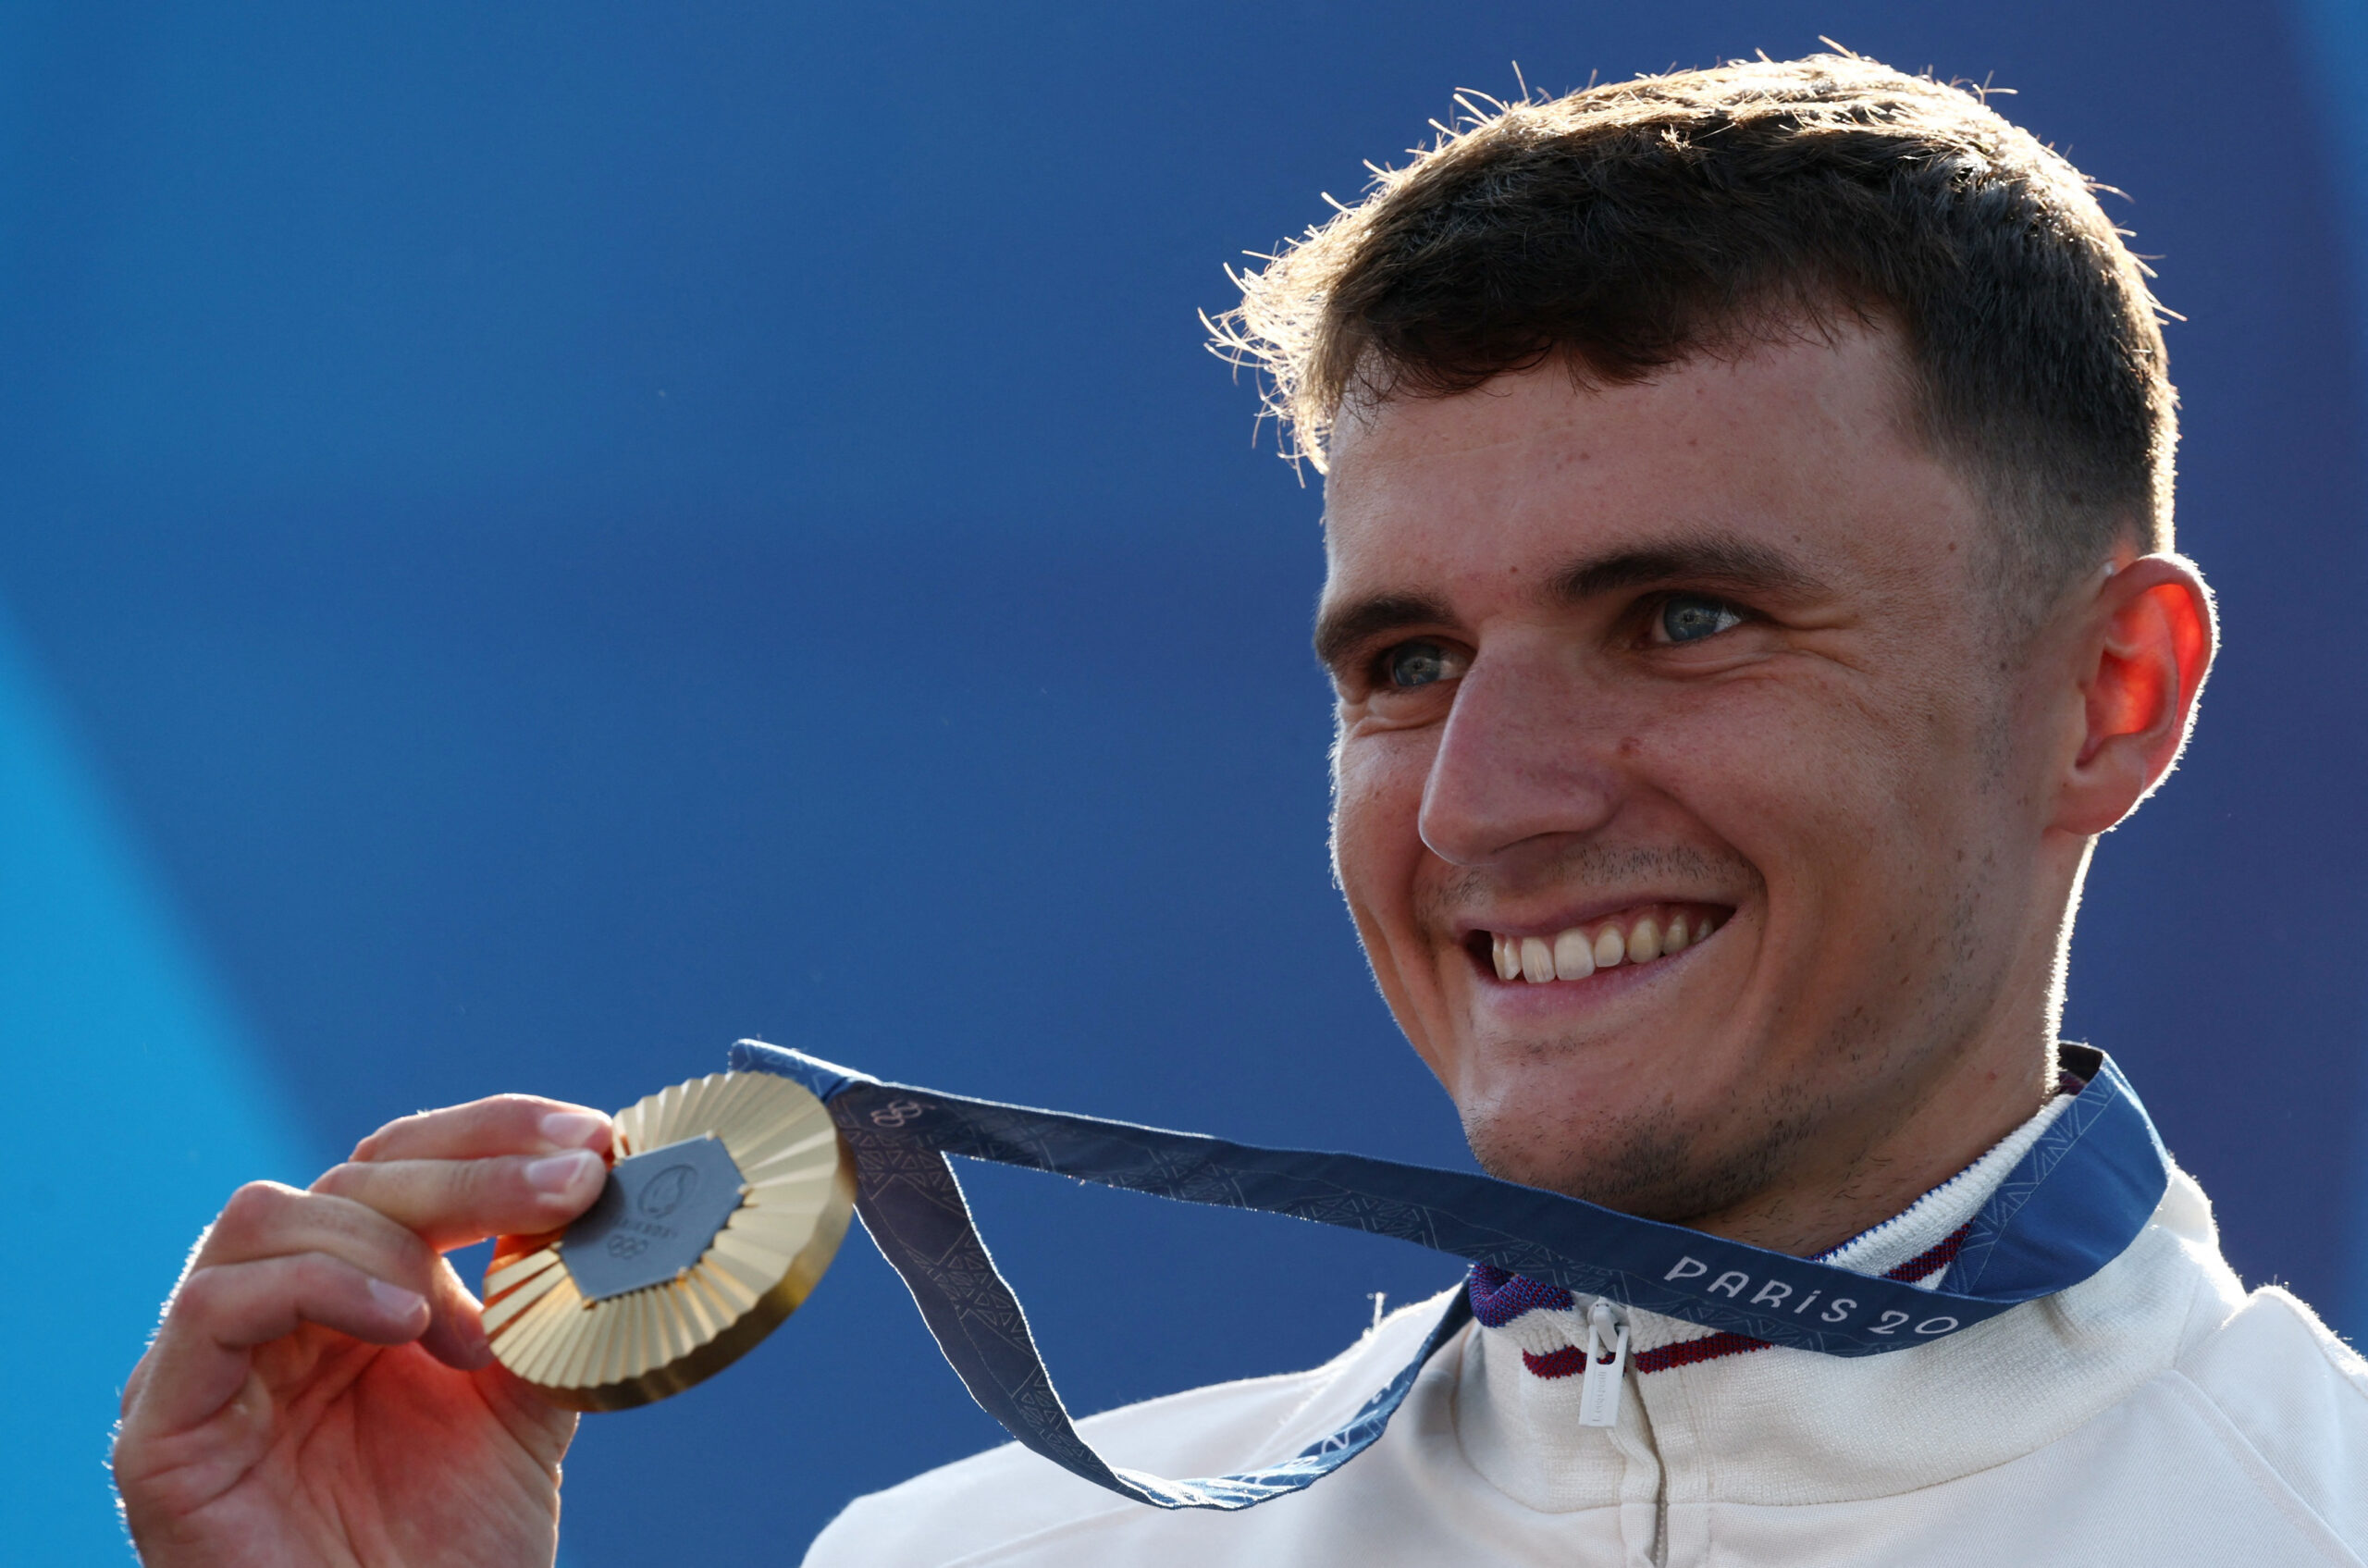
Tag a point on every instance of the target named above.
point(1713, 559)
point(1719, 559)
point(1340, 629)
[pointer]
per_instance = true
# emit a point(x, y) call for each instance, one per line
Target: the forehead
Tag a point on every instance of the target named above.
point(1803, 448)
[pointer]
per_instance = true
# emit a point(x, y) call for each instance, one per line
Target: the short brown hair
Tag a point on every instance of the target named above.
point(1631, 226)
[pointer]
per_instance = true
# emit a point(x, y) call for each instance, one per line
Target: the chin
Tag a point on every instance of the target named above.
point(1652, 1165)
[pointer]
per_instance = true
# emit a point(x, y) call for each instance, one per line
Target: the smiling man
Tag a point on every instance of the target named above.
point(1750, 596)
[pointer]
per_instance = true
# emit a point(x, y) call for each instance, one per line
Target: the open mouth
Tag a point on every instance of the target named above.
point(1641, 935)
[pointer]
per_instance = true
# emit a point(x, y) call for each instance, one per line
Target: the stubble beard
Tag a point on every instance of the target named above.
point(1654, 1163)
point(1662, 1162)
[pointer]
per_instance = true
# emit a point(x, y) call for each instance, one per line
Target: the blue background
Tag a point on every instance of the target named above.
point(537, 540)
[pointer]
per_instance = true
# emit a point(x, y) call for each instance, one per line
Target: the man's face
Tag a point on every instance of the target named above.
point(1689, 685)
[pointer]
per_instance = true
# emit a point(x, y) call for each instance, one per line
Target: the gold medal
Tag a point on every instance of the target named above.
point(727, 1199)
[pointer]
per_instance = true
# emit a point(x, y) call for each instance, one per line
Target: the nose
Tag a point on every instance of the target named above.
point(1524, 760)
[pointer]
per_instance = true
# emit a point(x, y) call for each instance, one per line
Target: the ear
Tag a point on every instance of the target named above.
point(2147, 644)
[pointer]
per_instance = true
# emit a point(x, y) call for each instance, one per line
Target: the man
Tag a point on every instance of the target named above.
point(1750, 595)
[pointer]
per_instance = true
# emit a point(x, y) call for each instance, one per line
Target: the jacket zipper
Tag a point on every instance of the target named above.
point(1607, 1353)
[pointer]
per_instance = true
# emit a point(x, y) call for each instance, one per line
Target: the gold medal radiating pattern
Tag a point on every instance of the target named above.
point(797, 1192)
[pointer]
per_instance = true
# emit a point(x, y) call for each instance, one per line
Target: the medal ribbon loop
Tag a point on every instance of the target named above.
point(2073, 1203)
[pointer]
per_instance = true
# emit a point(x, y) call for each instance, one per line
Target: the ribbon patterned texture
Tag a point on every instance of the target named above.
point(2073, 1203)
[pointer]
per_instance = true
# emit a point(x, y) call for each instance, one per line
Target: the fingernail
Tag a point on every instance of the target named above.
point(572, 1129)
point(396, 1300)
point(557, 1173)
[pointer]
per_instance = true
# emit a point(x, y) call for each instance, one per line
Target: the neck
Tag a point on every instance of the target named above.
point(1935, 1104)
point(1915, 1141)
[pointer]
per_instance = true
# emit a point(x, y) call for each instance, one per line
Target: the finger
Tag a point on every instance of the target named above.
point(456, 1333)
point(265, 1220)
point(452, 1203)
point(505, 1124)
point(221, 1313)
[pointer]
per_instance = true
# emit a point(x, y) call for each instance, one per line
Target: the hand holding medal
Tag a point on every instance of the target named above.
point(728, 1199)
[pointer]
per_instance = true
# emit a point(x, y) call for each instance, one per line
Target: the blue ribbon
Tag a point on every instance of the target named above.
point(2071, 1206)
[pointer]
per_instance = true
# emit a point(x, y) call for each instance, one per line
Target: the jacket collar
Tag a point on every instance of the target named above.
point(1780, 1425)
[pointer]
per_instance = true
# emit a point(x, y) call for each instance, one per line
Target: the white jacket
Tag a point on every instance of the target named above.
point(2152, 1415)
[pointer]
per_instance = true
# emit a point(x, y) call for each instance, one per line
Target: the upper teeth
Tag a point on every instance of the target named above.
point(1580, 951)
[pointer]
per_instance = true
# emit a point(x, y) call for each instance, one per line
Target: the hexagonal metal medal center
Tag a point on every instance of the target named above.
point(654, 1218)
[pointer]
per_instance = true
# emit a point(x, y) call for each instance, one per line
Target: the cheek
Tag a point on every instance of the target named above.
point(1836, 802)
point(1376, 840)
point(1378, 855)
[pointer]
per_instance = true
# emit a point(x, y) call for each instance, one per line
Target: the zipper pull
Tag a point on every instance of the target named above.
point(1606, 1353)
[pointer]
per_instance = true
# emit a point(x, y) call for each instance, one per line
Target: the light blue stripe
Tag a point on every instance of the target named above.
point(136, 1105)
point(2331, 39)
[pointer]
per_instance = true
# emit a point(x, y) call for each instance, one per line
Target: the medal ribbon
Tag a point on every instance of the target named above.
point(2070, 1206)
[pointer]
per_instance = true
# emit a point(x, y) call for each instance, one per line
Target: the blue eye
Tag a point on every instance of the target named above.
point(1692, 617)
point(1416, 664)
